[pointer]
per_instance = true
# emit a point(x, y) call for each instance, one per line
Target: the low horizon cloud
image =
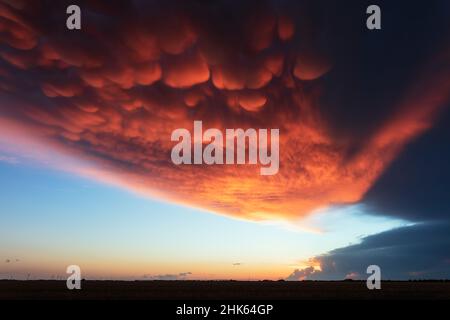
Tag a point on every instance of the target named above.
point(179, 276)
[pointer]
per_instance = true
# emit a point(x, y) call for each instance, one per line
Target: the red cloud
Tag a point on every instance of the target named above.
point(252, 100)
point(185, 71)
point(112, 94)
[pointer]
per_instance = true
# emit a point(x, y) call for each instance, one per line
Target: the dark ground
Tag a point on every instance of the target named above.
point(43, 289)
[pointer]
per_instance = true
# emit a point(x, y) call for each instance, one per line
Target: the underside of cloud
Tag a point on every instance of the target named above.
point(112, 93)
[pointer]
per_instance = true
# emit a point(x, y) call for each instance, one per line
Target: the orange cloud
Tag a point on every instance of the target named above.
point(252, 101)
point(286, 28)
point(186, 71)
point(113, 101)
point(311, 65)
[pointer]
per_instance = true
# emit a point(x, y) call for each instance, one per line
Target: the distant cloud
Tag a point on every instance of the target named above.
point(184, 274)
point(237, 264)
point(179, 276)
point(12, 260)
point(352, 275)
point(9, 159)
point(301, 274)
point(413, 252)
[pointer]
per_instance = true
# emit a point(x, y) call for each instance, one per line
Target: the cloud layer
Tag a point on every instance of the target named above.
point(112, 93)
point(414, 252)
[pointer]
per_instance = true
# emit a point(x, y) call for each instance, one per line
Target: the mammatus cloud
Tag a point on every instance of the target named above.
point(112, 93)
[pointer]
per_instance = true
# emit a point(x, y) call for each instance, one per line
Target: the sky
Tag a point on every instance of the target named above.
point(86, 118)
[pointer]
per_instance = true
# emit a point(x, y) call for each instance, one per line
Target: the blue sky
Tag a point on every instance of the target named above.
point(51, 219)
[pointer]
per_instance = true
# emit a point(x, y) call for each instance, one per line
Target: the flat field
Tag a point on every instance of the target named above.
point(181, 290)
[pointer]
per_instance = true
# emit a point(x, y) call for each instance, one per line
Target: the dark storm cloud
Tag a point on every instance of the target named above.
point(383, 65)
point(416, 186)
point(411, 252)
